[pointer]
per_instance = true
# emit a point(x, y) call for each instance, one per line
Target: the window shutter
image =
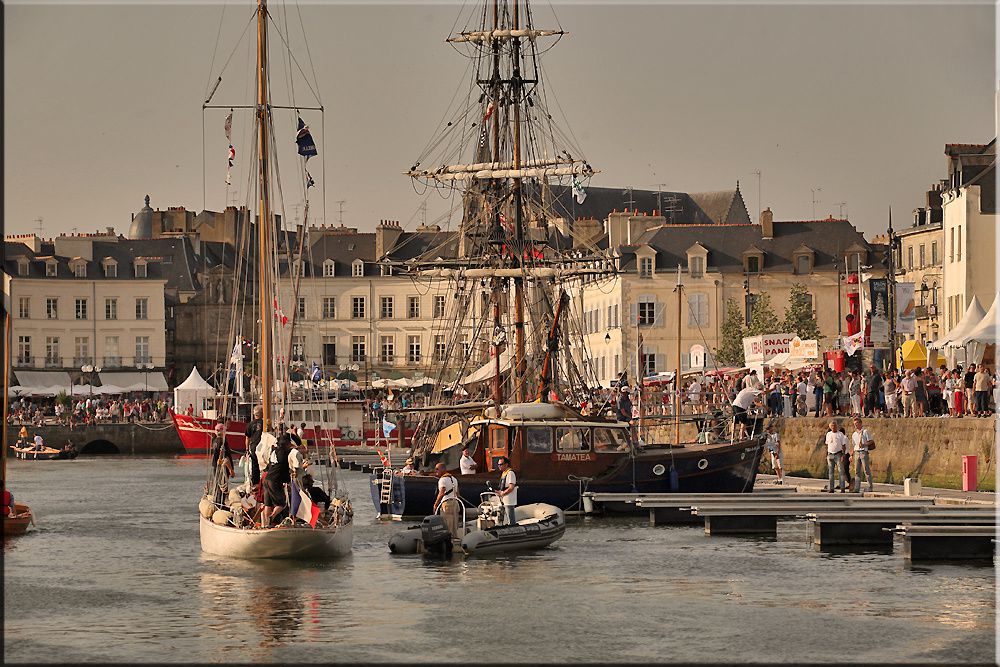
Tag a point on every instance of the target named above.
point(659, 314)
point(661, 362)
point(633, 310)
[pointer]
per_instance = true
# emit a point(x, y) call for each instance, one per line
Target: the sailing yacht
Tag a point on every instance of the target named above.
point(227, 525)
point(515, 268)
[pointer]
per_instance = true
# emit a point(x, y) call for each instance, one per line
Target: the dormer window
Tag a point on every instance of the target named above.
point(386, 270)
point(697, 258)
point(110, 268)
point(856, 256)
point(50, 268)
point(645, 267)
point(80, 268)
point(357, 268)
point(22, 267)
point(140, 269)
point(804, 258)
point(753, 260)
point(329, 268)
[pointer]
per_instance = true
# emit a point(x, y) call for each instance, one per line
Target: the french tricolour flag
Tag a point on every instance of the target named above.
point(306, 510)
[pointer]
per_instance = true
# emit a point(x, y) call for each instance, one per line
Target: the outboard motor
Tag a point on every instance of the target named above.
point(435, 536)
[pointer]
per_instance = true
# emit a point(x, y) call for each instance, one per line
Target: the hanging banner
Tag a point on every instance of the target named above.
point(906, 309)
point(761, 349)
point(879, 300)
point(803, 349)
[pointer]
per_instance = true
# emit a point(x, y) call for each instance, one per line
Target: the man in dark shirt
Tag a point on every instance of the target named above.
point(278, 475)
point(874, 386)
point(624, 405)
point(254, 430)
point(316, 494)
point(968, 381)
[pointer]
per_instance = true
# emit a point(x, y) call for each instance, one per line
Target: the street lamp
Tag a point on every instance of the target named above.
point(146, 367)
point(90, 370)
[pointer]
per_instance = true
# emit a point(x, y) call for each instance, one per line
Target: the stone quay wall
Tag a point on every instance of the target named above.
point(929, 449)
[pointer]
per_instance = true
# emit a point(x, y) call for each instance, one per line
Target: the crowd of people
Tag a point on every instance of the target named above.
point(823, 392)
point(38, 411)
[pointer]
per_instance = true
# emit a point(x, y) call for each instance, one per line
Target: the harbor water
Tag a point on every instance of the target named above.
point(114, 573)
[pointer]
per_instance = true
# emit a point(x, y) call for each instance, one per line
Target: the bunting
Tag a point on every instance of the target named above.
point(278, 314)
point(307, 147)
point(232, 151)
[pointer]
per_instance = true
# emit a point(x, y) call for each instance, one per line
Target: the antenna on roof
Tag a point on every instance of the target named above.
point(39, 225)
point(631, 199)
point(756, 172)
point(341, 202)
point(814, 191)
point(843, 206)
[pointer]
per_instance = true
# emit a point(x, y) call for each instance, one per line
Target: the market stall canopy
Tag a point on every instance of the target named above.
point(127, 381)
point(984, 332)
point(487, 370)
point(194, 391)
point(912, 353)
point(783, 360)
point(973, 316)
point(43, 383)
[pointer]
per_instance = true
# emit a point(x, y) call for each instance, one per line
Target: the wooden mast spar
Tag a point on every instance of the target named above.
point(263, 223)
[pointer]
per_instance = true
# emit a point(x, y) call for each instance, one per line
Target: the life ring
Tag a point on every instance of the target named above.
point(658, 469)
point(702, 464)
point(349, 434)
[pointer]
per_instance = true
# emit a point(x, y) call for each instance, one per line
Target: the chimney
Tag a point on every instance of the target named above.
point(767, 223)
point(386, 236)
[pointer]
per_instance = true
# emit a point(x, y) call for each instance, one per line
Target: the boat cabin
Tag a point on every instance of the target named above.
point(548, 440)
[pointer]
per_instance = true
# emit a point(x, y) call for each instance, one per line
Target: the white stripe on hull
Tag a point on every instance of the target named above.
point(292, 542)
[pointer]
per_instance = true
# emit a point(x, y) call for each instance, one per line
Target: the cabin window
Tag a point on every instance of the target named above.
point(572, 439)
point(313, 415)
point(295, 415)
point(539, 439)
point(498, 437)
point(610, 440)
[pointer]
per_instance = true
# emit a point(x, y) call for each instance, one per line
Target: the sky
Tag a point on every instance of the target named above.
point(847, 104)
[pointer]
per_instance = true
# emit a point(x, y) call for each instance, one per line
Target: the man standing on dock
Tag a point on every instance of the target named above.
point(863, 439)
point(836, 444)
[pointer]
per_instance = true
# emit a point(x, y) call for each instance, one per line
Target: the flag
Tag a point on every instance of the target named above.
point(305, 509)
point(578, 191)
point(229, 169)
point(387, 428)
point(383, 457)
point(229, 127)
point(278, 314)
point(852, 344)
point(309, 180)
point(307, 147)
point(489, 112)
point(317, 374)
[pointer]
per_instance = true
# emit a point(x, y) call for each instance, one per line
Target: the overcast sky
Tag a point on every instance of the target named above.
point(856, 101)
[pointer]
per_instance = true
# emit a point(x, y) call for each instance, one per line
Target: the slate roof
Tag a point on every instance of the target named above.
point(727, 243)
point(719, 207)
point(342, 249)
point(175, 262)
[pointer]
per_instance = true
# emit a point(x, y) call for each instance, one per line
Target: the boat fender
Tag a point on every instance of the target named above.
point(234, 496)
point(222, 517)
point(206, 507)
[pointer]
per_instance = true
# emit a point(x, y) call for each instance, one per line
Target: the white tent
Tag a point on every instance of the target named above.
point(984, 334)
point(973, 316)
point(126, 381)
point(194, 391)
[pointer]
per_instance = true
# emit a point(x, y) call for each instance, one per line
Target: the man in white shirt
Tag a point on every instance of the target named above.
point(741, 404)
point(39, 443)
point(836, 443)
point(468, 464)
point(862, 438)
point(508, 489)
point(447, 498)
point(751, 381)
point(909, 400)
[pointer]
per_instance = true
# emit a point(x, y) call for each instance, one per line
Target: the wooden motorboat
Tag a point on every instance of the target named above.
point(32, 454)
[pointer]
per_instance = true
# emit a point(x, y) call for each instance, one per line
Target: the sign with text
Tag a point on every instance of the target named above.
point(803, 349)
point(761, 349)
point(879, 308)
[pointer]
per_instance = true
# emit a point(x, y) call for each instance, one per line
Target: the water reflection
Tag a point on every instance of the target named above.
point(277, 613)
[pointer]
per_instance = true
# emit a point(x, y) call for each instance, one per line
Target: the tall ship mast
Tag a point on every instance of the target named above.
point(512, 375)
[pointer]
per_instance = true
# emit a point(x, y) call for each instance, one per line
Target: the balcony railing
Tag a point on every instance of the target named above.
point(112, 362)
point(53, 362)
point(24, 360)
point(143, 360)
point(82, 361)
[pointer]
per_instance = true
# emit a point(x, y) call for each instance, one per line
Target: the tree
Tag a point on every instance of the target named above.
point(762, 317)
point(799, 316)
point(730, 350)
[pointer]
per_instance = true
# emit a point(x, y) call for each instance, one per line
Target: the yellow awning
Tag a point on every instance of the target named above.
point(451, 436)
point(912, 353)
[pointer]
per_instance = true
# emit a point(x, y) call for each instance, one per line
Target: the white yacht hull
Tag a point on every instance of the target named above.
point(285, 542)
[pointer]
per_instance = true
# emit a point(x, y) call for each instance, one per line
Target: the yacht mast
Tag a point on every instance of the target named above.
point(516, 85)
point(263, 222)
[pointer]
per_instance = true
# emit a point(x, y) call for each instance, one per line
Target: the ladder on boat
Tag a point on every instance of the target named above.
point(386, 491)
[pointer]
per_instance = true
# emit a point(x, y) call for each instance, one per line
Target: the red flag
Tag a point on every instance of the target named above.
point(385, 459)
point(489, 112)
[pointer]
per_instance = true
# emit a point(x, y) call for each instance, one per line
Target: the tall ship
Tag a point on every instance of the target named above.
point(230, 523)
point(513, 377)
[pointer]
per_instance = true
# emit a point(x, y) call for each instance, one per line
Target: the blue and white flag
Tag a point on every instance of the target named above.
point(317, 373)
point(307, 147)
point(578, 191)
point(387, 428)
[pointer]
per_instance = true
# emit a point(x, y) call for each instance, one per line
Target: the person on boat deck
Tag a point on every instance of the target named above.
point(278, 475)
point(623, 407)
point(316, 494)
point(468, 464)
point(301, 432)
point(39, 443)
point(23, 433)
point(447, 497)
point(741, 404)
point(254, 430)
point(222, 463)
point(297, 465)
point(69, 449)
point(408, 468)
point(508, 489)
point(8, 500)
